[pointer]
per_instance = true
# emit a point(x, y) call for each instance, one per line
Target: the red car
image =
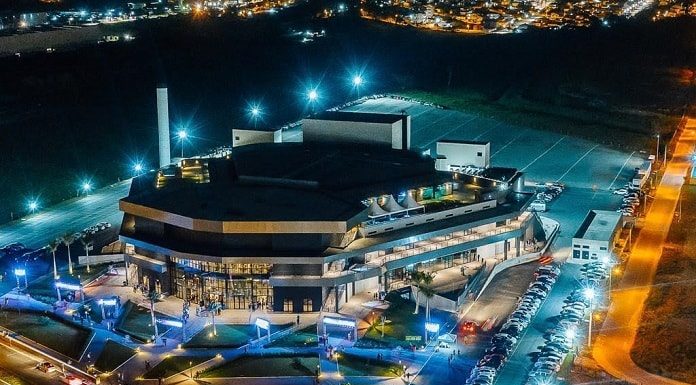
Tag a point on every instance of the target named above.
point(468, 328)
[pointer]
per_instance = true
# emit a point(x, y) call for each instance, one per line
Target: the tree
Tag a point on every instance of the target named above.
point(416, 280)
point(153, 296)
point(68, 239)
point(427, 291)
point(53, 246)
point(87, 244)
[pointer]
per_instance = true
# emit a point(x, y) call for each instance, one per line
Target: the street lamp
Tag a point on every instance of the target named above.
point(138, 168)
point(337, 369)
point(590, 295)
point(255, 112)
point(657, 149)
point(312, 96)
point(182, 135)
point(357, 82)
point(33, 206)
point(86, 187)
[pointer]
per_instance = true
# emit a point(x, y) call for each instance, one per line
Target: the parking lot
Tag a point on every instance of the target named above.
point(590, 171)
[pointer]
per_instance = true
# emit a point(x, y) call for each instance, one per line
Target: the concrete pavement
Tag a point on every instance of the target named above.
point(613, 345)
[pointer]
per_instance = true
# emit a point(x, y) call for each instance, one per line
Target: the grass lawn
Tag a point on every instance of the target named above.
point(44, 290)
point(626, 129)
point(403, 323)
point(113, 356)
point(53, 333)
point(137, 322)
point(305, 337)
point(666, 339)
point(228, 336)
point(354, 365)
point(281, 365)
point(173, 365)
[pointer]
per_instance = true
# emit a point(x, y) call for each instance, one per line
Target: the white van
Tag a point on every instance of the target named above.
point(537, 205)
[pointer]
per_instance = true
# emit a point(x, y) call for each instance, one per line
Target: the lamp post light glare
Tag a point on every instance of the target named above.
point(182, 135)
point(590, 295)
point(33, 206)
point(255, 112)
point(86, 187)
point(138, 168)
point(313, 95)
point(357, 80)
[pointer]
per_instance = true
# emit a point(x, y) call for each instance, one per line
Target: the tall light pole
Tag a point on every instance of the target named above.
point(138, 168)
point(590, 295)
point(86, 187)
point(182, 135)
point(313, 95)
point(255, 112)
point(357, 82)
point(33, 206)
point(657, 149)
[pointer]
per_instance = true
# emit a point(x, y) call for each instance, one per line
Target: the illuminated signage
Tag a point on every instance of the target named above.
point(432, 327)
point(339, 322)
point(68, 286)
point(176, 324)
point(20, 272)
point(263, 324)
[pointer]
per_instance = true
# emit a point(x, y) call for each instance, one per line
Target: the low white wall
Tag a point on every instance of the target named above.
point(102, 258)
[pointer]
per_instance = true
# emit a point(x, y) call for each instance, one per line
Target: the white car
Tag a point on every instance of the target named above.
point(620, 191)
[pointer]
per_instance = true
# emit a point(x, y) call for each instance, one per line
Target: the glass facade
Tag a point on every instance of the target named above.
point(235, 286)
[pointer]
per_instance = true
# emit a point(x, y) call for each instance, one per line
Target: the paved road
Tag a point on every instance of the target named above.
point(613, 345)
point(73, 215)
point(18, 368)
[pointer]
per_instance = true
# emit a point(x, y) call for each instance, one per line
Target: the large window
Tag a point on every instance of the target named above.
point(307, 304)
point(287, 305)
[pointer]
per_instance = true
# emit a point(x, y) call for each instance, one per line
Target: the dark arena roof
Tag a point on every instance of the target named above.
point(288, 182)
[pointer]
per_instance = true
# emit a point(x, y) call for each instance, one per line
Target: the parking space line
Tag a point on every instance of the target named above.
point(431, 124)
point(509, 143)
point(447, 133)
point(543, 153)
point(576, 162)
point(622, 167)
point(477, 137)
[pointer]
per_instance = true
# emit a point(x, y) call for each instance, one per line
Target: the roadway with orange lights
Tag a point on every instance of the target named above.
point(613, 345)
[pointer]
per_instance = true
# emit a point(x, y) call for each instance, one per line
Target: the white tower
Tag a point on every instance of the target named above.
point(163, 126)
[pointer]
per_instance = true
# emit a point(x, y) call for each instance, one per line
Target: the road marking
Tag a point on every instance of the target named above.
point(622, 167)
point(510, 142)
point(542, 154)
point(576, 162)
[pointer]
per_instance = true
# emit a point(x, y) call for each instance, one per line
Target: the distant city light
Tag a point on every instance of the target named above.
point(313, 95)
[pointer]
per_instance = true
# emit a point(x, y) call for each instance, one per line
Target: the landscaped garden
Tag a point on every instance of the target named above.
point(136, 321)
point(227, 336)
point(175, 364)
point(50, 331)
point(354, 365)
point(402, 327)
point(276, 365)
point(44, 289)
point(305, 337)
point(113, 356)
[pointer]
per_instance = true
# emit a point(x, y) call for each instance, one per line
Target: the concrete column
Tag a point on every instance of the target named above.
point(336, 297)
point(517, 246)
point(505, 250)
